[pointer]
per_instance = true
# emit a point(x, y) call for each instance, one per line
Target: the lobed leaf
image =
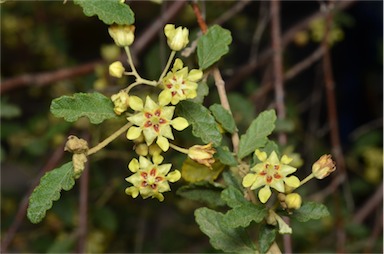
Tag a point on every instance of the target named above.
point(111, 11)
point(95, 106)
point(225, 156)
point(203, 124)
point(243, 215)
point(222, 237)
point(267, 235)
point(193, 172)
point(223, 117)
point(203, 192)
point(49, 190)
point(233, 197)
point(213, 45)
point(202, 91)
point(256, 135)
point(311, 211)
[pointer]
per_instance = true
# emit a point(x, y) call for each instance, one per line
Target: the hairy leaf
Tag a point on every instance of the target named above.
point(256, 135)
point(233, 197)
point(213, 45)
point(194, 172)
point(222, 237)
point(202, 91)
point(225, 156)
point(311, 211)
point(267, 235)
point(203, 124)
point(111, 11)
point(243, 215)
point(95, 106)
point(49, 190)
point(203, 192)
point(223, 117)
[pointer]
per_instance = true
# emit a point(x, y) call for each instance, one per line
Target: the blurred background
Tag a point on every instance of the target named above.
point(50, 49)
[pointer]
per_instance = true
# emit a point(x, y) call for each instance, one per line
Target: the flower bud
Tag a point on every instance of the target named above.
point(123, 35)
point(323, 166)
point(116, 69)
point(141, 149)
point(76, 145)
point(177, 38)
point(121, 101)
point(202, 154)
point(293, 201)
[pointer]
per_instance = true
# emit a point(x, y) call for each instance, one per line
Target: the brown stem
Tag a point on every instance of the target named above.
point(199, 17)
point(22, 210)
point(368, 206)
point(47, 78)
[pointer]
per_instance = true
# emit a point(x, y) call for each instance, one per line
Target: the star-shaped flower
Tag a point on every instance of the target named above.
point(154, 121)
point(271, 172)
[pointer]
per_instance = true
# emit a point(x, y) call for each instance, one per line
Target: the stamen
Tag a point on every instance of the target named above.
point(157, 112)
point(144, 175)
point(153, 172)
point(269, 179)
point(156, 127)
point(162, 121)
point(147, 115)
point(148, 124)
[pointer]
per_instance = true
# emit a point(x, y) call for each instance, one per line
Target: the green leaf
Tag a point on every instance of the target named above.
point(203, 124)
point(95, 106)
point(9, 110)
point(311, 211)
point(256, 135)
point(203, 192)
point(213, 45)
point(267, 235)
point(223, 117)
point(225, 156)
point(233, 240)
point(49, 190)
point(243, 215)
point(202, 91)
point(233, 197)
point(110, 11)
point(193, 172)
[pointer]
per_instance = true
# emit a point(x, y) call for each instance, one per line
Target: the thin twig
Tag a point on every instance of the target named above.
point(369, 205)
point(83, 209)
point(23, 205)
point(47, 78)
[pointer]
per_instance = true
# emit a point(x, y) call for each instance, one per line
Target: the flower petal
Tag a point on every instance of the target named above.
point(149, 134)
point(278, 185)
point(145, 163)
point(273, 159)
point(132, 191)
point(248, 180)
point(264, 194)
point(292, 181)
point(165, 97)
point(134, 165)
point(195, 75)
point(163, 143)
point(136, 103)
point(133, 133)
point(286, 170)
point(179, 123)
point(150, 105)
point(262, 156)
point(174, 176)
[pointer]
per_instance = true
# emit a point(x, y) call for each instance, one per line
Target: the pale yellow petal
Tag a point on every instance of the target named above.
point(248, 180)
point(264, 194)
point(162, 143)
point(136, 103)
point(134, 165)
point(133, 133)
point(292, 181)
point(179, 123)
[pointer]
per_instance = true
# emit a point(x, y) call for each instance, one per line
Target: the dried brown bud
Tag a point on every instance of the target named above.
point(323, 166)
point(202, 154)
point(76, 145)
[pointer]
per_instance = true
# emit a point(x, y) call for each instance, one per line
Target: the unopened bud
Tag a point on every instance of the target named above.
point(323, 166)
point(121, 101)
point(141, 149)
point(123, 35)
point(116, 69)
point(202, 154)
point(177, 38)
point(76, 145)
point(293, 201)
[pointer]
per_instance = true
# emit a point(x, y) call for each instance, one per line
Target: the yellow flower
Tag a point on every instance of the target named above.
point(121, 101)
point(180, 85)
point(293, 201)
point(150, 179)
point(323, 166)
point(202, 154)
point(154, 121)
point(123, 35)
point(271, 172)
point(177, 38)
point(116, 69)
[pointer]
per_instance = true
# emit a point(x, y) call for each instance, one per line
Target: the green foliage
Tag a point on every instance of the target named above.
point(95, 106)
point(203, 124)
point(205, 192)
point(213, 45)
point(195, 172)
point(267, 235)
point(202, 91)
point(243, 215)
point(223, 117)
point(233, 197)
point(225, 156)
point(49, 190)
point(111, 11)
point(8, 110)
point(256, 135)
point(222, 236)
point(311, 211)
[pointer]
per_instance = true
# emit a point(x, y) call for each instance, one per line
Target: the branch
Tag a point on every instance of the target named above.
point(368, 206)
point(47, 78)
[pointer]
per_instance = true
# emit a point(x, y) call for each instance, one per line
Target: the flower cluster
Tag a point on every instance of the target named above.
point(153, 119)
